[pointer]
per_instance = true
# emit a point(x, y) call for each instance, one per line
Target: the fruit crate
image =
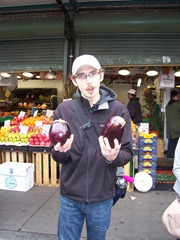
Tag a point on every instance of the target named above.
point(147, 165)
point(152, 142)
point(148, 150)
point(42, 149)
point(12, 153)
point(46, 169)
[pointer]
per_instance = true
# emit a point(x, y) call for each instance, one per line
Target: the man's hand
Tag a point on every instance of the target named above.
point(109, 153)
point(66, 146)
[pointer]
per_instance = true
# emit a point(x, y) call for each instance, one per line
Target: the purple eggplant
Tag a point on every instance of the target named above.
point(114, 129)
point(59, 132)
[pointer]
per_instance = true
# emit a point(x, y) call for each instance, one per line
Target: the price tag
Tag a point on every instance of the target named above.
point(45, 129)
point(24, 129)
point(39, 124)
point(21, 114)
point(35, 113)
point(49, 113)
point(7, 123)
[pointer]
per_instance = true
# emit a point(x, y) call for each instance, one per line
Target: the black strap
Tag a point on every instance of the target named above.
point(86, 125)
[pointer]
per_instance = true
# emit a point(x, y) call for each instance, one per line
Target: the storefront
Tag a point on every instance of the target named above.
point(39, 42)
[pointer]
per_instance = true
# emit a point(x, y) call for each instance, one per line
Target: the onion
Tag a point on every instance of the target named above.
point(59, 132)
point(114, 129)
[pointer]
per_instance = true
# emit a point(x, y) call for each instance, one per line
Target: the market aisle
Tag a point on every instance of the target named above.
point(33, 215)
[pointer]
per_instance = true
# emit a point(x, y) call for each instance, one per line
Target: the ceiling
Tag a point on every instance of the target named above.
point(10, 6)
point(80, 5)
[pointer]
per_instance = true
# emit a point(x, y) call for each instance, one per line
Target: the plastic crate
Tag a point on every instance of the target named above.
point(22, 148)
point(148, 150)
point(147, 157)
point(148, 141)
point(39, 149)
point(147, 165)
point(3, 147)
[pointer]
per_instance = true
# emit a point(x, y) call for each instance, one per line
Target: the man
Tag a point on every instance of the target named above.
point(172, 123)
point(88, 177)
point(134, 107)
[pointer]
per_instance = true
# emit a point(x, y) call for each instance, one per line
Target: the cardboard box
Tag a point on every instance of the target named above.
point(16, 176)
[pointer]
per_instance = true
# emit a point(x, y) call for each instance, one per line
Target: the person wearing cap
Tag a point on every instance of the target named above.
point(87, 183)
point(172, 122)
point(134, 107)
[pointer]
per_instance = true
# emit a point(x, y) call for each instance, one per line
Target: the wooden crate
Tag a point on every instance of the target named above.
point(46, 169)
point(14, 155)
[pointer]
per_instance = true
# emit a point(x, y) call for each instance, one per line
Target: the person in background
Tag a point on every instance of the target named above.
point(87, 183)
point(176, 171)
point(134, 107)
point(172, 123)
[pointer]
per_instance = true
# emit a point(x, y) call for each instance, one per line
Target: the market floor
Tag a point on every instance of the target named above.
point(33, 215)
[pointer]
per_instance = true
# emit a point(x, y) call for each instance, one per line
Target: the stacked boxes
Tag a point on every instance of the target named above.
point(148, 155)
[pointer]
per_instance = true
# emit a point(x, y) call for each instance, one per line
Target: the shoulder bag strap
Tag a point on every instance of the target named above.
point(86, 125)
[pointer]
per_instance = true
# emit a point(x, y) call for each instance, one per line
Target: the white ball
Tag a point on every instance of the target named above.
point(143, 181)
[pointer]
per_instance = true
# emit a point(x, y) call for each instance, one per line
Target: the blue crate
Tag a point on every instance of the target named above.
point(147, 157)
point(147, 165)
point(148, 150)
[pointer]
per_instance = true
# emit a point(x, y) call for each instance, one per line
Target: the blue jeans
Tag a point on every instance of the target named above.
point(73, 213)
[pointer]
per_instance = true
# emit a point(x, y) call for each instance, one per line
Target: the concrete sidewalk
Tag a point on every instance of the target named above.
point(33, 215)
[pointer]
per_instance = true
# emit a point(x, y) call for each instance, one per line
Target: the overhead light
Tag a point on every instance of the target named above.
point(50, 75)
point(139, 82)
point(124, 72)
point(151, 72)
point(27, 74)
point(5, 74)
point(177, 72)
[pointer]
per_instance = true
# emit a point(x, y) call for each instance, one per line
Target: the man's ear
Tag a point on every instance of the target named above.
point(74, 81)
point(101, 76)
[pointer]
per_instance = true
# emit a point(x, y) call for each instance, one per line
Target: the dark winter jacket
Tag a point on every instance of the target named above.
point(85, 174)
point(173, 119)
point(134, 108)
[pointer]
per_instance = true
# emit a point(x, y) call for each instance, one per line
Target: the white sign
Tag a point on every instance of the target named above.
point(167, 81)
point(143, 128)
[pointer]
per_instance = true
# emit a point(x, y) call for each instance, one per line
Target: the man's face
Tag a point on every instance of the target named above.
point(129, 96)
point(88, 80)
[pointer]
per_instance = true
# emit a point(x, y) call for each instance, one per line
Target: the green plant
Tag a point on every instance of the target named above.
point(69, 89)
point(153, 110)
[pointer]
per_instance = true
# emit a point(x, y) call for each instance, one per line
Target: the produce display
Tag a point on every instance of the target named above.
point(148, 155)
point(59, 132)
point(26, 131)
point(114, 129)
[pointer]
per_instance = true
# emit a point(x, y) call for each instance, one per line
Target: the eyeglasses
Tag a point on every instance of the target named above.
point(91, 75)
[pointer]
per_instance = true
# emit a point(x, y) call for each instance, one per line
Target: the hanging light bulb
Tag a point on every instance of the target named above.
point(124, 72)
point(5, 74)
point(151, 72)
point(27, 74)
point(177, 72)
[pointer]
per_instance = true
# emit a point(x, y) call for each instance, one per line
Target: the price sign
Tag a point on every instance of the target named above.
point(7, 123)
point(21, 114)
point(35, 113)
point(38, 124)
point(24, 129)
point(49, 113)
point(45, 129)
